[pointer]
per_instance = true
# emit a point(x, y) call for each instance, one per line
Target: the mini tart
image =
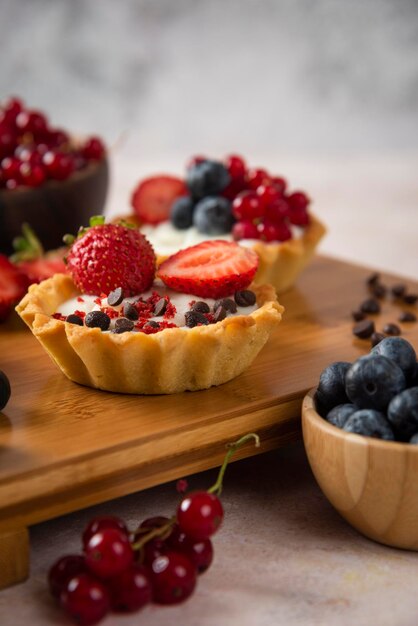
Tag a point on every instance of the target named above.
point(279, 263)
point(170, 361)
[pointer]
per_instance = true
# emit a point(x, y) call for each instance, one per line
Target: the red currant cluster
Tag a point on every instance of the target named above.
point(159, 562)
point(260, 204)
point(32, 152)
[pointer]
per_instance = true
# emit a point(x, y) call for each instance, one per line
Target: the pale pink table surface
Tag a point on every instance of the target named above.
point(283, 556)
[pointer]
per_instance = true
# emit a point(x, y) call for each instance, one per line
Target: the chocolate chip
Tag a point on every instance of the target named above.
point(410, 298)
point(370, 306)
point(74, 319)
point(200, 307)
point(115, 297)
point(193, 318)
point(245, 297)
point(398, 290)
point(130, 311)
point(358, 316)
point(220, 314)
point(376, 338)
point(392, 329)
point(152, 324)
point(160, 307)
point(373, 279)
point(123, 325)
point(407, 316)
point(378, 290)
point(364, 329)
point(97, 319)
point(227, 303)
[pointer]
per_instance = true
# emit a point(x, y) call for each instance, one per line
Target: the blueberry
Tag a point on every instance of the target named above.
point(213, 216)
point(181, 214)
point(207, 178)
point(369, 423)
point(398, 350)
point(4, 390)
point(372, 381)
point(331, 388)
point(403, 413)
point(413, 377)
point(340, 414)
point(414, 439)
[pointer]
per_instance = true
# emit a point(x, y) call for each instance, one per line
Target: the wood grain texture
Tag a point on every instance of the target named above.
point(14, 556)
point(372, 483)
point(64, 447)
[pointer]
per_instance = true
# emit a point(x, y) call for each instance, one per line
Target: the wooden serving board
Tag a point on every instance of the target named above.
point(64, 447)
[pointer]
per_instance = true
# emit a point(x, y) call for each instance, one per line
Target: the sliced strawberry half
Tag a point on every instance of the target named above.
point(153, 197)
point(44, 267)
point(13, 285)
point(212, 269)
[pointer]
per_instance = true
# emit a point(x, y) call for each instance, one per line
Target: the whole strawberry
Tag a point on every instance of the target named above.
point(107, 256)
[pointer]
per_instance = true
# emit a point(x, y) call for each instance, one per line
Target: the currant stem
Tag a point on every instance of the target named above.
point(233, 447)
point(155, 532)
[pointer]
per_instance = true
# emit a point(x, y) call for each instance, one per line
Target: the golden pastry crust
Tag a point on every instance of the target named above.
point(279, 263)
point(170, 361)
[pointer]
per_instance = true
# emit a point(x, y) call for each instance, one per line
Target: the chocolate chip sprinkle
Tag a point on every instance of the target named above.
point(227, 303)
point(115, 297)
point(245, 297)
point(392, 329)
point(358, 316)
point(123, 325)
point(364, 329)
point(398, 290)
point(160, 307)
point(376, 338)
point(378, 290)
point(410, 298)
point(97, 319)
point(152, 324)
point(373, 279)
point(74, 319)
point(407, 316)
point(130, 311)
point(220, 314)
point(193, 318)
point(371, 305)
point(200, 307)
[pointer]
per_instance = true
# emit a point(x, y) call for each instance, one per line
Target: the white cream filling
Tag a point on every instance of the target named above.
point(181, 302)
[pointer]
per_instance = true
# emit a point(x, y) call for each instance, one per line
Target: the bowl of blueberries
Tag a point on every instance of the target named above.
point(48, 177)
point(360, 430)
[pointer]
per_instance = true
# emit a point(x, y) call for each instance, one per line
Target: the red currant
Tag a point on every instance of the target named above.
point(173, 578)
point(100, 523)
point(200, 514)
point(200, 553)
point(131, 590)
point(12, 184)
point(65, 568)
point(280, 183)
point(195, 160)
point(245, 230)
point(299, 217)
point(268, 194)
point(247, 206)
point(11, 168)
point(93, 149)
point(31, 122)
point(236, 167)
point(277, 211)
point(274, 231)
point(108, 553)
point(257, 177)
point(298, 200)
point(58, 165)
point(85, 599)
point(10, 110)
point(8, 141)
point(57, 138)
point(32, 175)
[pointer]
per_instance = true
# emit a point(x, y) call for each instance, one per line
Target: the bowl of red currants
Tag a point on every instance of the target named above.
point(48, 178)
point(360, 430)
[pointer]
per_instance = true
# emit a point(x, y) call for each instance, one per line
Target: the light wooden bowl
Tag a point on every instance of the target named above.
point(372, 483)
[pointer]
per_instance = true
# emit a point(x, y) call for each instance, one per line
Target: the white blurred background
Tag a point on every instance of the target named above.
point(324, 92)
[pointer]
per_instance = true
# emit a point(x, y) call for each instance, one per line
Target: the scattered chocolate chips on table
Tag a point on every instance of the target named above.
point(376, 338)
point(410, 298)
point(5, 390)
point(371, 305)
point(391, 329)
point(398, 290)
point(358, 316)
point(364, 329)
point(407, 316)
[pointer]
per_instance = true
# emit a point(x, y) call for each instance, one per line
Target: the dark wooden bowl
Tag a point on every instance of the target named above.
point(55, 208)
